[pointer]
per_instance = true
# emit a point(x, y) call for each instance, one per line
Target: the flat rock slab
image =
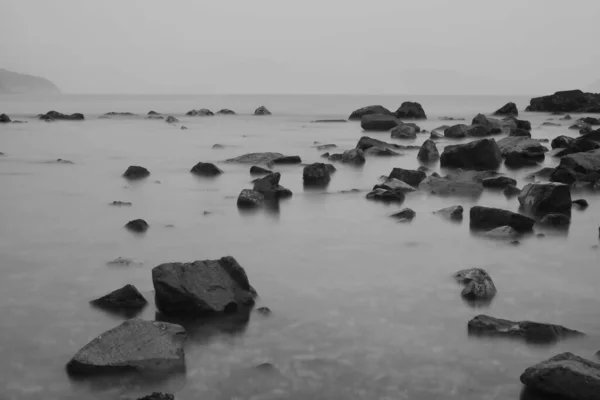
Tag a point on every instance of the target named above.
point(565, 375)
point(255, 158)
point(135, 344)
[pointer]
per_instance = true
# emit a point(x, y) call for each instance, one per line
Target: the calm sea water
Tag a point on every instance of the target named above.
point(363, 307)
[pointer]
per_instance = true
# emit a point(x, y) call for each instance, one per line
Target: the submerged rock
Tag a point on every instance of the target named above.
point(262, 110)
point(453, 212)
point(136, 172)
point(158, 396)
point(530, 331)
point(508, 109)
point(206, 169)
point(478, 284)
point(127, 297)
point(395, 184)
point(250, 199)
point(411, 177)
point(502, 232)
point(498, 182)
point(135, 344)
point(317, 173)
point(410, 110)
point(354, 156)
point(387, 195)
point(202, 287)
point(404, 132)
point(542, 198)
point(489, 218)
point(254, 170)
point(120, 203)
point(270, 188)
point(255, 158)
point(478, 155)
point(287, 160)
point(428, 152)
point(55, 115)
point(405, 215)
point(556, 220)
point(137, 225)
point(378, 122)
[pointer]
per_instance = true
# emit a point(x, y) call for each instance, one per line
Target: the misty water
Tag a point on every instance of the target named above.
point(363, 307)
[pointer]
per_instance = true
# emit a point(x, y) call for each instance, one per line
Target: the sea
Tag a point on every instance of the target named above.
point(363, 307)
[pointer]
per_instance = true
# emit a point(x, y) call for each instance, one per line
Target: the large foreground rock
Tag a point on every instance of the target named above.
point(55, 115)
point(566, 101)
point(136, 172)
point(489, 218)
point(127, 297)
point(543, 198)
point(361, 112)
point(428, 152)
point(202, 287)
point(410, 110)
point(135, 344)
point(411, 177)
point(565, 375)
point(478, 284)
point(583, 166)
point(206, 169)
point(378, 122)
point(478, 155)
point(508, 109)
point(270, 188)
point(530, 331)
point(255, 158)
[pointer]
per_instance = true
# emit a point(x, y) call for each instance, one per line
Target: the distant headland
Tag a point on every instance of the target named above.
point(15, 83)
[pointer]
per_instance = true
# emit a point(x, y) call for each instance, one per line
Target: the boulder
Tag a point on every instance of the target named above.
point(502, 232)
point(583, 166)
point(428, 152)
point(565, 375)
point(405, 215)
point(566, 101)
point(386, 195)
point(411, 177)
point(453, 212)
point(137, 225)
point(378, 122)
point(562, 141)
point(376, 151)
point(171, 120)
point(404, 132)
point(262, 110)
point(521, 133)
point(478, 284)
point(203, 112)
point(438, 132)
point(492, 125)
point(410, 110)
point(582, 203)
point(206, 169)
point(520, 123)
point(202, 287)
point(127, 297)
point(287, 160)
point(134, 345)
point(270, 188)
point(511, 191)
point(254, 170)
point(487, 218)
point(456, 131)
point(255, 158)
point(317, 173)
point(4, 118)
point(395, 184)
point(543, 198)
point(250, 198)
point(520, 144)
point(591, 121)
point(498, 182)
point(55, 116)
point(478, 155)
point(158, 396)
point(354, 156)
point(556, 220)
point(136, 172)
point(369, 110)
point(530, 331)
point(225, 111)
point(518, 159)
point(508, 109)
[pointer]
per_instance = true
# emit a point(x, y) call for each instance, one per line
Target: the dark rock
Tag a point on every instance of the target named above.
point(410, 110)
point(591, 121)
point(386, 195)
point(262, 110)
point(326, 147)
point(127, 297)
point(478, 155)
point(136, 172)
point(4, 118)
point(369, 110)
point(183, 128)
point(354, 156)
point(250, 198)
point(55, 116)
point(135, 344)
point(582, 203)
point(120, 203)
point(62, 161)
point(378, 122)
point(411, 177)
point(566, 101)
point(478, 131)
point(579, 145)
point(366, 143)
point(412, 125)
point(508, 109)
point(562, 141)
point(256, 158)
point(206, 169)
point(566, 118)
point(405, 215)
point(265, 311)
point(423, 168)
point(218, 146)
point(119, 114)
point(498, 182)
point(317, 173)
point(577, 167)
point(520, 144)
point(395, 184)
point(254, 170)
point(428, 152)
point(287, 160)
point(153, 113)
point(137, 225)
point(171, 120)
point(450, 119)
point(225, 111)
point(492, 125)
point(325, 155)
point(453, 212)
point(478, 284)
point(270, 188)
point(376, 151)
point(553, 124)
point(520, 124)
point(543, 198)
point(404, 132)
point(155, 117)
point(566, 375)
point(555, 219)
point(202, 287)
point(203, 112)
point(521, 133)
point(456, 131)
point(516, 159)
point(487, 218)
point(158, 396)
point(501, 232)
point(530, 331)
point(511, 191)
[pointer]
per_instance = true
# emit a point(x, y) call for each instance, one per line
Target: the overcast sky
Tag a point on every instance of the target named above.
point(308, 46)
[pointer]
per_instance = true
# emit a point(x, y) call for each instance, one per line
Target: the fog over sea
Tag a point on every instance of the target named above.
point(363, 307)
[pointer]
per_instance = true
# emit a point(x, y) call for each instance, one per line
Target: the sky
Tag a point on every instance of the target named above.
point(308, 46)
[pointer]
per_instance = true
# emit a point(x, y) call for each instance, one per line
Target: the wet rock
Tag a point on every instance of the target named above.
point(287, 160)
point(317, 173)
point(565, 375)
point(127, 297)
point(410, 110)
point(326, 147)
point(411, 177)
point(566, 101)
point(250, 198)
point(520, 144)
point(254, 170)
point(519, 159)
point(120, 203)
point(4, 118)
point(225, 111)
point(498, 182)
point(582, 203)
point(511, 191)
point(354, 156)
point(453, 212)
point(378, 122)
point(202, 287)
point(562, 141)
point(405, 215)
point(478, 155)
point(135, 344)
point(508, 109)
point(487, 218)
point(369, 110)
point(456, 131)
point(530, 331)
point(136, 172)
point(255, 158)
point(543, 198)
point(520, 124)
point(55, 116)
point(203, 112)
point(491, 125)
point(376, 151)
point(264, 311)
point(556, 220)
point(395, 184)
point(386, 195)
point(137, 225)
point(206, 169)
point(428, 152)
point(502, 232)
point(521, 133)
point(478, 284)
point(158, 396)
point(171, 120)
point(270, 188)
point(404, 132)
point(262, 110)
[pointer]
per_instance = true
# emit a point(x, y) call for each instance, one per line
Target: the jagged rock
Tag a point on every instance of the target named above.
point(411, 177)
point(225, 111)
point(254, 170)
point(566, 101)
point(270, 188)
point(502, 232)
point(453, 212)
point(354, 156)
point(404, 132)
point(250, 198)
point(478, 155)
point(405, 215)
point(530, 331)
point(508, 109)
point(171, 120)
point(487, 218)
point(543, 198)
point(378, 122)
point(262, 110)
point(206, 169)
point(582, 203)
point(137, 225)
point(456, 131)
point(395, 184)
point(317, 173)
point(361, 112)
point(511, 191)
point(255, 158)
point(566, 375)
point(410, 110)
point(158, 396)
point(135, 344)
point(478, 284)
point(4, 118)
point(562, 141)
point(202, 287)
point(287, 160)
point(136, 172)
point(428, 152)
point(386, 195)
point(120, 203)
point(127, 297)
point(498, 182)
point(55, 115)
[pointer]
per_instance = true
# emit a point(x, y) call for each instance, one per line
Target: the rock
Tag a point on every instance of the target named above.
point(554, 124)
point(521, 133)
point(137, 225)
point(154, 117)
point(508, 109)
point(410, 110)
point(354, 156)
point(262, 110)
point(498, 182)
point(453, 212)
point(326, 155)
point(120, 203)
point(511, 191)
point(369, 110)
point(183, 128)
point(411, 177)
point(55, 115)
point(326, 147)
point(158, 396)
point(562, 141)
point(566, 375)
point(591, 121)
point(423, 168)
point(203, 112)
point(366, 143)
point(478, 155)
point(566, 101)
point(270, 188)
point(395, 184)
point(520, 124)
point(250, 198)
point(265, 311)
point(531, 331)
point(502, 232)
point(456, 131)
point(478, 131)
point(451, 186)
point(4, 118)
point(171, 120)
point(225, 111)
point(579, 145)
point(492, 125)
point(404, 132)
point(218, 146)
point(478, 284)
point(127, 297)
point(487, 218)
point(255, 158)
point(62, 161)
point(555, 219)
point(287, 160)
point(136, 172)
point(428, 152)
point(135, 344)
point(405, 215)
point(438, 132)
point(412, 125)
point(317, 173)
point(202, 287)
point(378, 122)
point(153, 113)
point(566, 118)
point(450, 119)
point(516, 159)
point(123, 262)
point(376, 151)
point(521, 144)
point(206, 169)
point(328, 121)
point(543, 198)
point(386, 195)
point(582, 203)
point(254, 170)
point(119, 114)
